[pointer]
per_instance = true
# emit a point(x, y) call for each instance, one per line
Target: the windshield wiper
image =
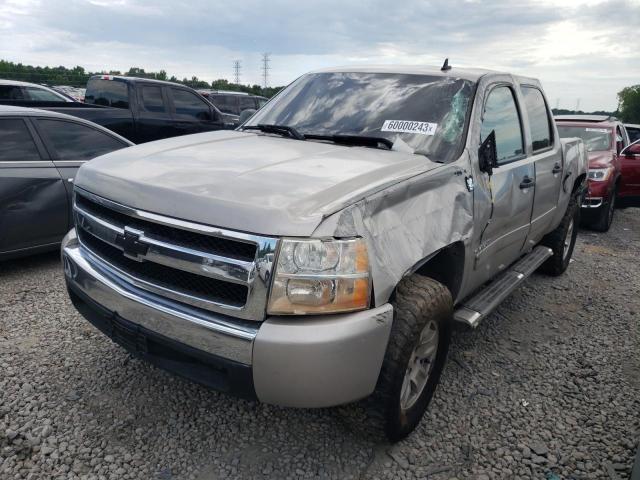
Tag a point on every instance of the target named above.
point(284, 130)
point(360, 140)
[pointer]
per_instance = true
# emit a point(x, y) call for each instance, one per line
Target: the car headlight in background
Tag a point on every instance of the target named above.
point(320, 276)
point(599, 174)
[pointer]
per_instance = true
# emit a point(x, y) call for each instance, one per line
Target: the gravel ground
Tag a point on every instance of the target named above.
point(547, 387)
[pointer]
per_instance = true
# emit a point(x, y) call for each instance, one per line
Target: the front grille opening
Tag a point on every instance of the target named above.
point(178, 281)
point(185, 238)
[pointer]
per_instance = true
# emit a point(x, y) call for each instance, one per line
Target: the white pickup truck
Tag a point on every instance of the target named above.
point(319, 254)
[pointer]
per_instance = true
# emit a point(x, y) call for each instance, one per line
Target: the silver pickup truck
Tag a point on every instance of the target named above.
point(318, 255)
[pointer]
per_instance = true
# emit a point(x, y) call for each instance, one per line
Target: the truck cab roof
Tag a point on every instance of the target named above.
point(471, 74)
point(122, 78)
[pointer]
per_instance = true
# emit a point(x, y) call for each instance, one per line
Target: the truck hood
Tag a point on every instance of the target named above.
point(243, 181)
point(600, 159)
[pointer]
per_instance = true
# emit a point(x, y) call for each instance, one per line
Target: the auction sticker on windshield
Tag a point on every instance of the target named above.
point(408, 126)
point(599, 130)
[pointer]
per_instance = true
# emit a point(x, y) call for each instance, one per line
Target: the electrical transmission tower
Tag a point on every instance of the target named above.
point(265, 69)
point(237, 66)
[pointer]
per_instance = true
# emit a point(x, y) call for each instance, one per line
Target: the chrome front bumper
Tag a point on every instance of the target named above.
point(299, 362)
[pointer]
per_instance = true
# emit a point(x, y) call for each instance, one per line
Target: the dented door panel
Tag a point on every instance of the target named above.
point(34, 205)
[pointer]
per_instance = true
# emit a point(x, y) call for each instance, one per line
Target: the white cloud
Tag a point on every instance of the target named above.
point(579, 49)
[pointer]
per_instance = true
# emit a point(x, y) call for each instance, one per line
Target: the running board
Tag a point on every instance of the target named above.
point(474, 309)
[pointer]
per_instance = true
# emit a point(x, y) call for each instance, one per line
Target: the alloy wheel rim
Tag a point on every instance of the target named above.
point(567, 240)
point(420, 365)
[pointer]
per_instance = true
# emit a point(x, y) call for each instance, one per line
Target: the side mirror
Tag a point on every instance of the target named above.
point(246, 115)
point(488, 154)
point(632, 150)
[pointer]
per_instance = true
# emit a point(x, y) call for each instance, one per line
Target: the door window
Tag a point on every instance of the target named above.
point(110, 93)
point(17, 142)
point(42, 95)
point(11, 92)
point(539, 119)
point(226, 103)
point(501, 116)
point(152, 99)
point(73, 141)
point(247, 102)
point(187, 103)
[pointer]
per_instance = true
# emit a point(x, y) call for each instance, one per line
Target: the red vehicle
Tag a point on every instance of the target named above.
point(605, 138)
point(630, 165)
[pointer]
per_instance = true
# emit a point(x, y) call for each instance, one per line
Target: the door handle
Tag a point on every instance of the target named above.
point(556, 168)
point(527, 183)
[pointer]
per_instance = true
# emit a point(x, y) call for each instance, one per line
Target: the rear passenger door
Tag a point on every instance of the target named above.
point(70, 144)
point(193, 114)
point(33, 202)
point(512, 183)
point(548, 162)
point(154, 115)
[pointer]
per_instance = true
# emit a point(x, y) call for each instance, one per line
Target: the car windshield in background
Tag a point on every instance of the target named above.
point(109, 93)
point(596, 139)
point(418, 113)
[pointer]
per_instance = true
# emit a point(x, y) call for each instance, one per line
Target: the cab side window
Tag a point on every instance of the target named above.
point(247, 103)
point(186, 103)
point(152, 99)
point(226, 103)
point(501, 116)
point(539, 119)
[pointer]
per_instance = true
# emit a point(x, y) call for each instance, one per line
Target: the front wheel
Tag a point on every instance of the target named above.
point(415, 357)
point(605, 216)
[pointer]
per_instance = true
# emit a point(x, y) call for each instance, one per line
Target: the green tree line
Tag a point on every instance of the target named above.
point(629, 104)
point(78, 76)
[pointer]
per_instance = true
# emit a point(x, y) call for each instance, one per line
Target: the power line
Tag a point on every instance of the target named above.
point(237, 66)
point(265, 69)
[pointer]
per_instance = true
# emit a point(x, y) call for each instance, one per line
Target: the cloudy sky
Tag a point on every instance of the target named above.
point(583, 50)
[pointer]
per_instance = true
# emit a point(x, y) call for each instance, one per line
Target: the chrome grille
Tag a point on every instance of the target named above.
point(199, 265)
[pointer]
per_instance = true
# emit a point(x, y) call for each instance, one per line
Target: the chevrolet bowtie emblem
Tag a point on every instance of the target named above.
point(131, 245)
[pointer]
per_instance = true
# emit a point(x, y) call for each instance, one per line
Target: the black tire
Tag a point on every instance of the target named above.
point(418, 300)
point(557, 240)
point(604, 219)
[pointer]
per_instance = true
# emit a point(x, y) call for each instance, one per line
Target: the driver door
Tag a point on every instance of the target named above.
point(512, 184)
point(630, 168)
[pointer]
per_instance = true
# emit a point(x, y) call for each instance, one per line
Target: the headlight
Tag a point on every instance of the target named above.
point(320, 276)
point(599, 174)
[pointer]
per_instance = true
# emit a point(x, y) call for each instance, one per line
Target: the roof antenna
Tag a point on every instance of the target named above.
point(445, 65)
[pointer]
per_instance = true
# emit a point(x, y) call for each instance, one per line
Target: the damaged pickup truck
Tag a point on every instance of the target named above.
point(318, 255)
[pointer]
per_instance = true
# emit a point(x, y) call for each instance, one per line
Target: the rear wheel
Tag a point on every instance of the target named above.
point(562, 240)
point(414, 360)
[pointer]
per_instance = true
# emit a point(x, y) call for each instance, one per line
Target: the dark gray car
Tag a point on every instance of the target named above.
point(40, 152)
